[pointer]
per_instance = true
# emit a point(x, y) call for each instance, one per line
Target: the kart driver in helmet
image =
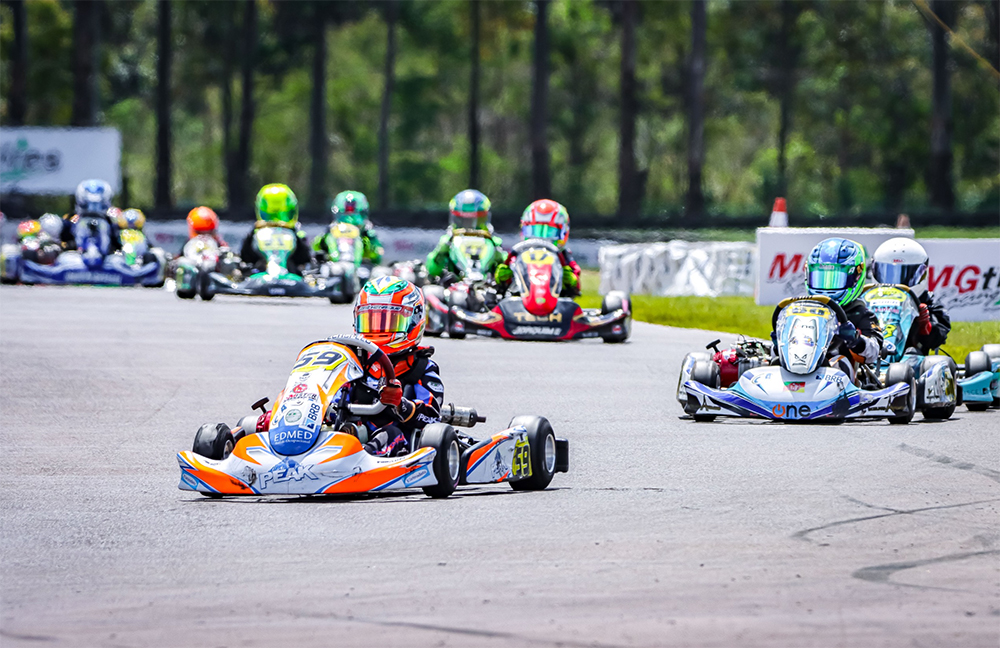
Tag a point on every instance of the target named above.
point(548, 220)
point(351, 207)
point(469, 210)
point(904, 261)
point(836, 269)
point(93, 200)
point(203, 221)
point(389, 312)
point(277, 206)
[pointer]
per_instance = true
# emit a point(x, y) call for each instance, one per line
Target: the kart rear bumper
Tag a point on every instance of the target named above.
point(273, 287)
point(568, 322)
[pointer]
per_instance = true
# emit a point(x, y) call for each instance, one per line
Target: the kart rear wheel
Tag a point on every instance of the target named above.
point(205, 288)
point(447, 461)
point(214, 440)
point(941, 412)
point(903, 373)
point(706, 372)
point(977, 362)
point(542, 448)
point(461, 300)
point(993, 351)
point(613, 301)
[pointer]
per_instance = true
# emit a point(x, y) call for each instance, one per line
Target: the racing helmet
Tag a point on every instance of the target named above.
point(132, 218)
point(28, 228)
point(350, 207)
point(277, 206)
point(52, 225)
point(836, 269)
point(546, 219)
point(901, 261)
point(389, 311)
point(202, 220)
point(469, 209)
point(93, 196)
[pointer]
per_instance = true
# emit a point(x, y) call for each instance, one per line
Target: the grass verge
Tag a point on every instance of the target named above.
point(742, 315)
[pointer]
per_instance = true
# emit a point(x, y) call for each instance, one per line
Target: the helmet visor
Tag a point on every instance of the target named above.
point(541, 231)
point(895, 273)
point(828, 277)
point(471, 220)
point(382, 318)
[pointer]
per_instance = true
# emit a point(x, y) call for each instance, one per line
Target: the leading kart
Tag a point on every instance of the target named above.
point(534, 310)
point(314, 445)
point(801, 387)
point(897, 309)
point(979, 378)
point(276, 245)
point(92, 263)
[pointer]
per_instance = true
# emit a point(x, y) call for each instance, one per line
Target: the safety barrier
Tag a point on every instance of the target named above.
point(679, 268)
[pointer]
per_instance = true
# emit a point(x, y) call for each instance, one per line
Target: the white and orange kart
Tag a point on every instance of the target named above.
point(315, 442)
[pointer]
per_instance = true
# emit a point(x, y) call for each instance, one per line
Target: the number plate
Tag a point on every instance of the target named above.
point(520, 467)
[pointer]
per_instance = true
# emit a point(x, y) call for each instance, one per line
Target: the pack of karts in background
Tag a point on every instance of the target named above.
point(805, 373)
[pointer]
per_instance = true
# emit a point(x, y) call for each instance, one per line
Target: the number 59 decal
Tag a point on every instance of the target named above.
point(521, 465)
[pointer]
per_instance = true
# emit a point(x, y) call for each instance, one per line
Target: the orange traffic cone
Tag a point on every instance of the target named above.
point(779, 215)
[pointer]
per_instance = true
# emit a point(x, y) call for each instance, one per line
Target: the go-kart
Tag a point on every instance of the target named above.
point(200, 256)
point(801, 387)
point(474, 254)
point(91, 263)
point(275, 245)
point(896, 308)
point(979, 378)
point(534, 311)
point(314, 442)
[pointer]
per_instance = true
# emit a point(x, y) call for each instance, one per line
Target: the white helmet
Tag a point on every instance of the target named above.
point(901, 261)
point(51, 225)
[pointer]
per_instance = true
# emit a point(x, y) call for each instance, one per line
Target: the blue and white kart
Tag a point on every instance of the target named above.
point(91, 263)
point(800, 388)
point(897, 308)
point(979, 378)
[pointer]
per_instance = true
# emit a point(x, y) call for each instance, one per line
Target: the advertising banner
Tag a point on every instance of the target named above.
point(964, 274)
point(56, 160)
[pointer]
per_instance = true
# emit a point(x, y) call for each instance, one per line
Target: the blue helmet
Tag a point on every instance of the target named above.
point(93, 196)
point(836, 269)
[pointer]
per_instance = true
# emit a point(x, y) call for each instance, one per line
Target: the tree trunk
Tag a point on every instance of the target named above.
point(228, 63)
point(786, 89)
point(695, 203)
point(383, 122)
point(541, 183)
point(317, 118)
point(86, 26)
point(941, 186)
point(992, 10)
point(629, 199)
point(474, 98)
point(18, 101)
point(163, 197)
point(241, 165)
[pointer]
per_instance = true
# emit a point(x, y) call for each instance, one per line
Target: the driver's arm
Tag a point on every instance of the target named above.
point(940, 324)
point(422, 400)
point(437, 260)
point(302, 254)
point(868, 345)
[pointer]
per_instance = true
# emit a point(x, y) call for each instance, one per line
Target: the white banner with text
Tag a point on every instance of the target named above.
point(56, 160)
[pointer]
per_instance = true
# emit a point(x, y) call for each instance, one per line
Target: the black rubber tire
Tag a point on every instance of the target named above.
point(992, 350)
point(542, 447)
point(610, 303)
point(707, 373)
point(899, 372)
point(944, 412)
point(186, 294)
point(214, 440)
point(977, 362)
point(205, 290)
point(447, 461)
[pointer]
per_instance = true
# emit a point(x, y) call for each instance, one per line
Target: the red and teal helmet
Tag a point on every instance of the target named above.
point(836, 269)
point(469, 209)
point(546, 219)
point(389, 312)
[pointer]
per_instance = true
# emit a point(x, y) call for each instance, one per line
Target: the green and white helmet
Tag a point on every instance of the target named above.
point(350, 207)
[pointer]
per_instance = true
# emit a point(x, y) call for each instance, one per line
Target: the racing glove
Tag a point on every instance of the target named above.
point(391, 394)
point(848, 333)
point(924, 326)
point(569, 278)
point(503, 273)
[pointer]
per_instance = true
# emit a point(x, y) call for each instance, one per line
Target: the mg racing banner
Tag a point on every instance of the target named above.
point(964, 274)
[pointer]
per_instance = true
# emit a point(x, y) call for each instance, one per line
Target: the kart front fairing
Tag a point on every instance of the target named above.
point(776, 393)
point(982, 387)
point(896, 311)
point(71, 268)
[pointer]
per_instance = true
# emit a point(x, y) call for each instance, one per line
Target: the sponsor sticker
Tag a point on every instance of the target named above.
point(520, 467)
point(536, 330)
point(795, 387)
point(293, 416)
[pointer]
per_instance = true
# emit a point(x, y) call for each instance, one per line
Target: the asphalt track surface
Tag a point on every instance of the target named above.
point(664, 533)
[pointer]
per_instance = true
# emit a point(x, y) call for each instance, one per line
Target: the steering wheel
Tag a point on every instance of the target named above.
point(837, 309)
point(375, 354)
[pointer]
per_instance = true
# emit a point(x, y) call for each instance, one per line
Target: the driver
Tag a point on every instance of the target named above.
point(469, 210)
point(93, 200)
point(203, 221)
point(836, 269)
point(548, 220)
point(277, 206)
point(351, 207)
point(389, 312)
point(904, 261)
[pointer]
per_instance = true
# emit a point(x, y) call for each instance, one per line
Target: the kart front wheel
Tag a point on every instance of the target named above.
point(214, 440)
point(447, 461)
point(205, 288)
point(613, 301)
point(706, 372)
point(977, 362)
point(542, 450)
point(903, 373)
point(940, 412)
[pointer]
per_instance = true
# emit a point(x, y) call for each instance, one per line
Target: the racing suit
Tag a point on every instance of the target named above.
point(931, 329)
point(373, 250)
point(300, 256)
point(570, 269)
point(67, 237)
point(439, 260)
point(391, 431)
